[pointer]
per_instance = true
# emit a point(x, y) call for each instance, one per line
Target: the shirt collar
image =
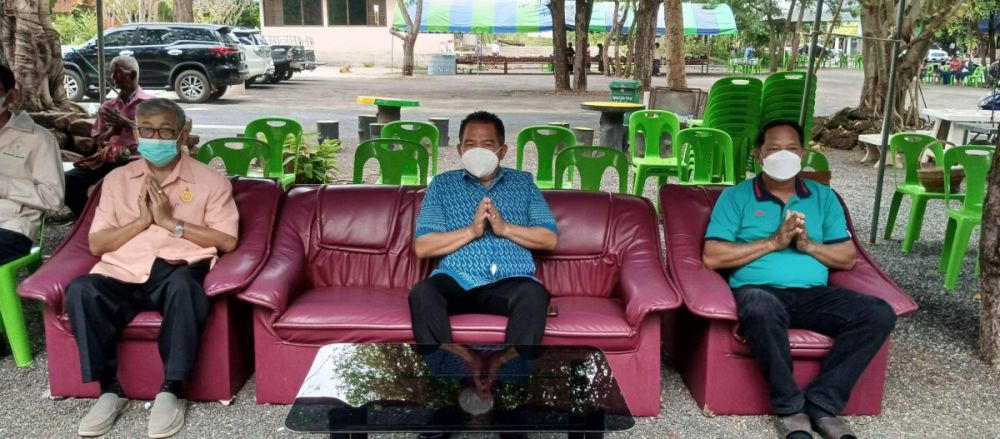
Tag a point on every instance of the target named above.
point(471, 178)
point(139, 94)
point(762, 194)
point(182, 171)
point(21, 121)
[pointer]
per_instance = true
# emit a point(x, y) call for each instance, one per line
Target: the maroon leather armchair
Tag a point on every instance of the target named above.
point(226, 358)
point(702, 339)
point(343, 264)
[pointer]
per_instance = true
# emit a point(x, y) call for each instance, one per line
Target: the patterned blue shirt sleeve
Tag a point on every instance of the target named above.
point(431, 218)
point(539, 214)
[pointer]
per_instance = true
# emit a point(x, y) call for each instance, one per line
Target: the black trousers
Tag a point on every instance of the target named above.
point(524, 301)
point(79, 181)
point(13, 246)
point(859, 324)
point(99, 307)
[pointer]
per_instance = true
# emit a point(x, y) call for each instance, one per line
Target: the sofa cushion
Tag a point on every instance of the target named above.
point(377, 315)
point(805, 344)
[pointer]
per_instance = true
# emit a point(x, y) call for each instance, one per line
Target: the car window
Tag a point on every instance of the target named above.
point(155, 37)
point(260, 39)
point(246, 39)
point(120, 38)
point(194, 34)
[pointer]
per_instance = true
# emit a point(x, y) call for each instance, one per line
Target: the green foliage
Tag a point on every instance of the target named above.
point(77, 27)
point(317, 160)
point(251, 16)
point(369, 65)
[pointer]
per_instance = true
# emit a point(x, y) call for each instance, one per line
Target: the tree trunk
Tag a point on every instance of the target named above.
point(771, 49)
point(616, 29)
point(626, 70)
point(584, 9)
point(184, 11)
point(784, 36)
point(410, 37)
point(795, 38)
point(644, 40)
point(989, 251)
point(31, 48)
point(673, 19)
point(558, 10)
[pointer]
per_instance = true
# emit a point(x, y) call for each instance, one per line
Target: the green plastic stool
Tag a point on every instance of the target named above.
point(392, 161)
point(275, 131)
point(912, 146)
point(976, 161)
point(549, 140)
point(11, 312)
point(420, 132)
point(706, 146)
point(592, 161)
point(237, 160)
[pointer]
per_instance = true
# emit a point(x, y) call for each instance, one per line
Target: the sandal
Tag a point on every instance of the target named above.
point(834, 428)
point(787, 425)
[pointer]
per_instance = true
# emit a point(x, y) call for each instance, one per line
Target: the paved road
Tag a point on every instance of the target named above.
point(521, 100)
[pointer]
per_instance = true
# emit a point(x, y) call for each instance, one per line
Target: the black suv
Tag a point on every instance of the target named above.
point(198, 61)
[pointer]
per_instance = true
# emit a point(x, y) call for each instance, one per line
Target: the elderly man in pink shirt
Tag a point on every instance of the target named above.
point(113, 133)
point(159, 227)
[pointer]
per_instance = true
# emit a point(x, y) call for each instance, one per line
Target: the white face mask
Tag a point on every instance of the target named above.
point(782, 165)
point(480, 162)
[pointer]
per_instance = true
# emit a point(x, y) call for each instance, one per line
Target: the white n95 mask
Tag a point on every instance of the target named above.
point(782, 165)
point(480, 162)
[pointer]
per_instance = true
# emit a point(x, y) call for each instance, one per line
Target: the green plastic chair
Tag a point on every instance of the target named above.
point(815, 160)
point(393, 156)
point(712, 154)
point(275, 130)
point(237, 160)
point(976, 161)
point(420, 132)
point(912, 146)
point(739, 80)
point(11, 312)
point(977, 77)
point(547, 139)
point(859, 62)
point(743, 136)
point(931, 75)
point(653, 124)
point(592, 161)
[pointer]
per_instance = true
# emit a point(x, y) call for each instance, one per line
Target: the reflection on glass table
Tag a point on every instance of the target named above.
point(355, 389)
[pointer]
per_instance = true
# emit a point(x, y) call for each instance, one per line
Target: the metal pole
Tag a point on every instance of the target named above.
point(101, 79)
point(810, 74)
point(890, 102)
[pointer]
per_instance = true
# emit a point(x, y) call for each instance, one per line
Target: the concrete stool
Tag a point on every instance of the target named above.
point(364, 120)
point(375, 130)
point(584, 136)
point(442, 125)
point(328, 129)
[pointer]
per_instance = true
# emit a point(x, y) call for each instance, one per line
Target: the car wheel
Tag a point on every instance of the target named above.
point(76, 89)
point(251, 81)
point(288, 75)
point(275, 78)
point(192, 87)
point(217, 93)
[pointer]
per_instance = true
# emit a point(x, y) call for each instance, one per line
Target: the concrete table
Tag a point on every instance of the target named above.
point(989, 129)
point(613, 131)
point(388, 108)
point(945, 119)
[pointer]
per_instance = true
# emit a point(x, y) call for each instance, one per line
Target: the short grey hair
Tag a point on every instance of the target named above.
point(127, 63)
point(160, 106)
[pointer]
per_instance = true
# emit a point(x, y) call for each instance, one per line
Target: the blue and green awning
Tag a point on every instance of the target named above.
point(528, 16)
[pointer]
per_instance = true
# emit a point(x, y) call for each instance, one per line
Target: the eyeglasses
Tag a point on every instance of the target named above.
point(164, 133)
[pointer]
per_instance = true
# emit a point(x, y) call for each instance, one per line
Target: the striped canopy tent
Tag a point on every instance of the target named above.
point(528, 16)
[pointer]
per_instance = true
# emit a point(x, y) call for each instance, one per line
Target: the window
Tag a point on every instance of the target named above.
point(246, 39)
point(356, 12)
point(120, 38)
point(194, 34)
point(293, 12)
point(155, 37)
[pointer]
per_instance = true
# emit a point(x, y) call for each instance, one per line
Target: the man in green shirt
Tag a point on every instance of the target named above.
point(777, 236)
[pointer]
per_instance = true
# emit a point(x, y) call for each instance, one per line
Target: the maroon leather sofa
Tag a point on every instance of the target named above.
point(343, 264)
point(226, 358)
point(715, 363)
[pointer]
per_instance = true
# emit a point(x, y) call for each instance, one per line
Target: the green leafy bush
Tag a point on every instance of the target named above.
point(77, 27)
point(317, 160)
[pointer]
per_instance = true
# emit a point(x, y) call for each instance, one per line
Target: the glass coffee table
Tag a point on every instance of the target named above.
point(356, 389)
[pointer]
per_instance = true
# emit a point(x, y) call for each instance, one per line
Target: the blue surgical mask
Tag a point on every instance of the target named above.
point(158, 152)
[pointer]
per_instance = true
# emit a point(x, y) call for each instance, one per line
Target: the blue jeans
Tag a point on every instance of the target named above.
point(859, 324)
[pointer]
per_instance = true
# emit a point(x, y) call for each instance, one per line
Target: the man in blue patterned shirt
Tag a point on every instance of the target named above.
point(483, 222)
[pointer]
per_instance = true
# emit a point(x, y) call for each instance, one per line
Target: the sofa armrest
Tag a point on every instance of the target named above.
point(237, 269)
point(284, 275)
point(705, 292)
point(868, 278)
point(644, 287)
point(70, 260)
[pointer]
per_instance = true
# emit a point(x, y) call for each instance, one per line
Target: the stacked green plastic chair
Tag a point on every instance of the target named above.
point(782, 100)
point(975, 161)
point(11, 313)
point(733, 107)
point(420, 132)
point(711, 150)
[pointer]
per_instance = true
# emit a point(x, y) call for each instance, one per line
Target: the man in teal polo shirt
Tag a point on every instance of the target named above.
point(777, 236)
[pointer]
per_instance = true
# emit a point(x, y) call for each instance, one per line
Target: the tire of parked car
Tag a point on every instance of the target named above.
point(288, 75)
point(251, 81)
point(217, 93)
point(193, 87)
point(76, 89)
